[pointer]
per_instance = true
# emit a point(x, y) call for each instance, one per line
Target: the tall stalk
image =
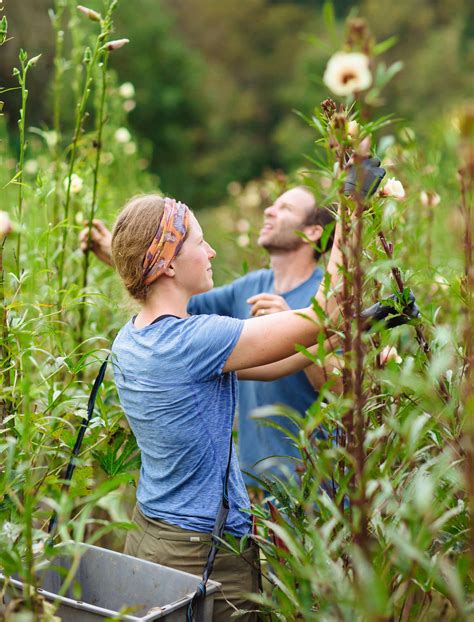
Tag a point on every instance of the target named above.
point(466, 176)
point(21, 74)
point(358, 449)
point(93, 206)
point(90, 60)
point(57, 22)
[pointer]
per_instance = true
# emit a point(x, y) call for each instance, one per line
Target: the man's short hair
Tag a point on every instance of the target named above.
point(324, 217)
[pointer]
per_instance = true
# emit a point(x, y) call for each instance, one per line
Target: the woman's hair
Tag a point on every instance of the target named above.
point(133, 233)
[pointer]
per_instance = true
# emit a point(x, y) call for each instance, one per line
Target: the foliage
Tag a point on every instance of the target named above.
point(375, 525)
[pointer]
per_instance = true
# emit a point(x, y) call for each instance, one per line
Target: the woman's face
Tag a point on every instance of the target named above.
point(192, 266)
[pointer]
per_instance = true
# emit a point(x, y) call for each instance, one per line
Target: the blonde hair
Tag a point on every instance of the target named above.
point(133, 233)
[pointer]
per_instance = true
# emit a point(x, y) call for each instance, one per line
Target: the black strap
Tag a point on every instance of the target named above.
point(217, 535)
point(80, 437)
point(221, 518)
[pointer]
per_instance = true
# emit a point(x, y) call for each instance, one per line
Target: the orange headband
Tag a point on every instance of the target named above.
point(168, 240)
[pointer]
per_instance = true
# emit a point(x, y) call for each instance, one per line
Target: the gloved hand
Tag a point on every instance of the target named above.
point(365, 178)
point(389, 315)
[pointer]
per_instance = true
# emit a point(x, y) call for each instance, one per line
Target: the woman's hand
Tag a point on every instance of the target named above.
point(264, 304)
point(100, 241)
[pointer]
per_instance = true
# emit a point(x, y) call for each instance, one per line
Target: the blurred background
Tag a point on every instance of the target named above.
point(217, 84)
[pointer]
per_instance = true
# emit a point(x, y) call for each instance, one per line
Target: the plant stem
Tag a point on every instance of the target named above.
point(21, 159)
point(89, 61)
point(362, 534)
point(59, 6)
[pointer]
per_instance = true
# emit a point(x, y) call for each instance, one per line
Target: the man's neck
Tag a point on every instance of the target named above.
point(290, 269)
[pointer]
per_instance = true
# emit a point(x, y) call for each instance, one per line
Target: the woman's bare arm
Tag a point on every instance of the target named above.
point(272, 338)
point(292, 364)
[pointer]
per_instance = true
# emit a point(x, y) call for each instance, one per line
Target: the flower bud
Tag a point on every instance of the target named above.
point(6, 225)
point(429, 198)
point(363, 150)
point(89, 13)
point(353, 129)
point(393, 188)
point(116, 45)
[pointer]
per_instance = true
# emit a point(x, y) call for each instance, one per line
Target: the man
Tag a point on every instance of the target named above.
point(290, 283)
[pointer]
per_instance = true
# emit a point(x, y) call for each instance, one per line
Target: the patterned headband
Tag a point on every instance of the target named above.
point(168, 240)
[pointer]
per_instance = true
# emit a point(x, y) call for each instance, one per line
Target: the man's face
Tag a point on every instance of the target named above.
point(287, 215)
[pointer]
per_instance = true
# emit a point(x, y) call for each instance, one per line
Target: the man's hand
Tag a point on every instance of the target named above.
point(264, 304)
point(100, 241)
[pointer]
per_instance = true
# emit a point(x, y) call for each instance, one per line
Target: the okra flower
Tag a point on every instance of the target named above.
point(429, 198)
point(393, 188)
point(348, 73)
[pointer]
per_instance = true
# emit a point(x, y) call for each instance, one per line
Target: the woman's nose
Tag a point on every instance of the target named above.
point(211, 252)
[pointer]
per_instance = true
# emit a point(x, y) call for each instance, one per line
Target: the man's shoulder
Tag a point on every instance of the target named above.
point(262, 278)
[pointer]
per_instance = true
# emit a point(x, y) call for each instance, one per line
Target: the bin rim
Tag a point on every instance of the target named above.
point(154, 613)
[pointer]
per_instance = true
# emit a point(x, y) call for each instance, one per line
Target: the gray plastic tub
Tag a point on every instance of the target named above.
point(106, 583)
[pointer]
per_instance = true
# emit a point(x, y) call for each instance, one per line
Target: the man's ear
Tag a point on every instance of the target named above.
point(313, 232)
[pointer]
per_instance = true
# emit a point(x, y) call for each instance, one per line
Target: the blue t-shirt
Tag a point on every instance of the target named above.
point(180, 407)
point(258, 442)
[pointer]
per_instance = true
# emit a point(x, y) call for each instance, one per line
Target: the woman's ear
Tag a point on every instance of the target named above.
point(170, 271)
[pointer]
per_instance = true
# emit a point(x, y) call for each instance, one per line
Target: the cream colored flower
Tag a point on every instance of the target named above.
point(76, 184)
point(393, 188)
point(122, 135)
point(429, 198)
point(6, 225)
point(389, 353)
point(348, 73)
point(127, 90)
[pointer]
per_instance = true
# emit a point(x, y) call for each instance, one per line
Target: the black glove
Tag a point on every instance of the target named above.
point(365, 178)
point(389, 315)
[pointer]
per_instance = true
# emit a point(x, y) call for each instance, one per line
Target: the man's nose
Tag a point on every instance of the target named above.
point(270, 210)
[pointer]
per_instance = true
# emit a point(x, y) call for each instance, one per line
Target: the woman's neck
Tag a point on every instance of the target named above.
point(161, 302)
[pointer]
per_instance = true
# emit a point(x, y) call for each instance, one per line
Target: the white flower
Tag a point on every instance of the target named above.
point(234, 188)
point(76, 184)
point(51, 138)
point(130, 148)
point(31, 167)
point(242, 225)
point(6, 225)
point(429, 198)
point(122, 135)
point(129, 105)
point(127, 90)
point(393, 188)
point(348, 73)
point(243, 240)
point(389, 353)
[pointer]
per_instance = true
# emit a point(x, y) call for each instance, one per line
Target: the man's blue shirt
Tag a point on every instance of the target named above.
point(258, 442)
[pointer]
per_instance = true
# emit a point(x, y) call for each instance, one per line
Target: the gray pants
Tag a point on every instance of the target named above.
point(166, 544)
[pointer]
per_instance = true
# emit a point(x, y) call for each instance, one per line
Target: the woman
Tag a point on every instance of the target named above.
point(176, 380)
